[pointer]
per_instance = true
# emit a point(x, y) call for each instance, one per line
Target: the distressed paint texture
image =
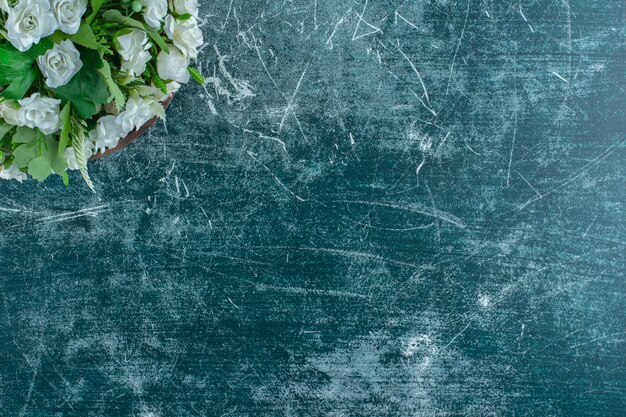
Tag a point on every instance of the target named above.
point(402, 208)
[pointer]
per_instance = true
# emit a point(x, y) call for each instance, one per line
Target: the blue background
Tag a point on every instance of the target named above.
point(382, 208)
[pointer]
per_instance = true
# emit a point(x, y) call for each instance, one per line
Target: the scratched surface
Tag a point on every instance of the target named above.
point(387, 208)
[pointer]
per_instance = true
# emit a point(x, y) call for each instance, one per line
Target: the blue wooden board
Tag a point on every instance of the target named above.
point(383, 208)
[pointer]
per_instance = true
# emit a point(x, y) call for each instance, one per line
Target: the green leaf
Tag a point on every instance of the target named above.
point(85, 36)
point(13, 64)
point(65, 132)
point(78, 144)
point(25, 135)
point(11, 57)
point(114, 89)
point(39, 168)
point(86, 90)
point(18, 88)
point(116, 16)
point(57, 37)
point(4, 129)
point(95, 6)
point(40, 48)
point(156, 38)
point(66, 179)
point(57, 163)
point(197, 77)
point(23, 154)
point(146, 90)
point(7, 74)
point(159, 83)
point(91, 59)
point(157, 109)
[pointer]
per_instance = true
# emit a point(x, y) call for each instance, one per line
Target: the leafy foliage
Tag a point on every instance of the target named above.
point(86, 91)
point(16, 72)
point(63, 126)
point(38, 153)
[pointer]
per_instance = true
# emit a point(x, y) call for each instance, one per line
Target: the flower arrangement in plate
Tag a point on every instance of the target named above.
point(77, 76)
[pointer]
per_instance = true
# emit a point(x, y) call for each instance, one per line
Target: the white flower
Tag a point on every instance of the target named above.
point(40, 112)
point(185, 34)
point(186, 6)
point(60, 64)
point(28, 22)
point(107, 133)
point(173, 66)
point(136, 114)
point(4, 5)
point(172, 87)
point(70, 156)
point(154, 11)
point(8, 112)
point(69, 14)
point(12, 173)
point(133, 48)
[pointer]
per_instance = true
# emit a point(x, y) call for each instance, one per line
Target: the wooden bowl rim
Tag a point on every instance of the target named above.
point(132, 135)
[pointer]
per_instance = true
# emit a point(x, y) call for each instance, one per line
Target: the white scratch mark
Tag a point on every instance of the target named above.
point(329, 42)
point(373, 28)
point(560, 76)
point(419, 168)
point(290, 103)
point(458, 334)
point(426, 211)
point(276, 178)
point(590, 225)
point(419, 77)
point(351, 253)
point(234, 305)
point(525, 20)
point(186, 189)
point(526, 181)
point(508, 174)
point(262, 136)
point(605, 154)
point(458, 45)
point(398, 15)
point(311, 291)
point(596, 339)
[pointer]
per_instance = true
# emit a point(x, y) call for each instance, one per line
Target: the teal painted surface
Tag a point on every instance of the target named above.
point(419, 212)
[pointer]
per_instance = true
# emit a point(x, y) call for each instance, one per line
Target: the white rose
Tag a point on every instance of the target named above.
point(60, 64)
point(12, 173)
point(40, 112)
point(173, 66)
point(28, 22)
point(8, 112)
point(136, 114)
point(107, 133)
point(186, 6)
point(185, 34)
point(154, 11)
point(69, 14)
point(133, 48)
point(70, 156)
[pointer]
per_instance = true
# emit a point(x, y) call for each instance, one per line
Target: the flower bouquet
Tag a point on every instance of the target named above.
point(75, 77)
